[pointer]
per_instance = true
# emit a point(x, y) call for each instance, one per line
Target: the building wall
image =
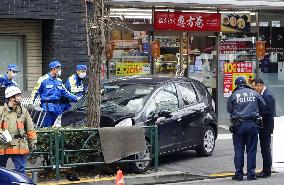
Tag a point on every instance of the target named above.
point(63, 31)
point(31, 30)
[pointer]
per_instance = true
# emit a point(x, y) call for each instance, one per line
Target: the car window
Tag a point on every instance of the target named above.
point(188, 94)
point(165, 99)
point(201, 89)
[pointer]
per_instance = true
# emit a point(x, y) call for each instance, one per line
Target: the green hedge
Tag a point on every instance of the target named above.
point(73, 140)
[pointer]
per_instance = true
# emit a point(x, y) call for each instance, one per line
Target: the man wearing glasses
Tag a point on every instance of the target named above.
point(7, 80)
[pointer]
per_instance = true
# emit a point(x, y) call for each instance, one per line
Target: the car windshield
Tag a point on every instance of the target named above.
point(122, 98)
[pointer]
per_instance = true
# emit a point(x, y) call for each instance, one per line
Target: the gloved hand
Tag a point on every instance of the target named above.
point(78, 98)
point(2, 139)
point(32, 147)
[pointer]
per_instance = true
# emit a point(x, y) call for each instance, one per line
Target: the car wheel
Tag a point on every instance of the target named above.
point(208, 143)
point(141, 166)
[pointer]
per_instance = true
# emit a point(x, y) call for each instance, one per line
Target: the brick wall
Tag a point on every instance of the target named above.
point(63, 30)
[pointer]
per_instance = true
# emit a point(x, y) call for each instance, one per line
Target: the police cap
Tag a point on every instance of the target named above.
point(13, 67)
point(81, 67)
point(54, 64)
point(240, 81)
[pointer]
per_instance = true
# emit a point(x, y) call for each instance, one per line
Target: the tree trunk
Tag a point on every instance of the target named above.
point(96, 34)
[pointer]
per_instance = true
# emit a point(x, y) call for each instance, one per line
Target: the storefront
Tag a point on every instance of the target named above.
point(215, 57)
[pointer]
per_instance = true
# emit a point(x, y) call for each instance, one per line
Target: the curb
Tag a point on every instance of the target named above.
point(163, 177)
point(148, 179)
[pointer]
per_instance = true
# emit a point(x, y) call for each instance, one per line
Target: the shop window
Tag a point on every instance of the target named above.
point(130, 55)
point(188, 94)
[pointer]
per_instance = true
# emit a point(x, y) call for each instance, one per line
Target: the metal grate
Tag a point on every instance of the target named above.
point(36, 112)
point(26, 99)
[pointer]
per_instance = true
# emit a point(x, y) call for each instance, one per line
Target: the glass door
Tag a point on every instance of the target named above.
point(12, 52)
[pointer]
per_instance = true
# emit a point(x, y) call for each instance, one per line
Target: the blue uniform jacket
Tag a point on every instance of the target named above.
point(75, 85)
point(5, 82)
point(246, 103)
point(268, 118)
point(51, 90)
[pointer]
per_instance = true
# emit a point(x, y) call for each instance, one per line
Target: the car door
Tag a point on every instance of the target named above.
point(165, 99)
point(190, 119)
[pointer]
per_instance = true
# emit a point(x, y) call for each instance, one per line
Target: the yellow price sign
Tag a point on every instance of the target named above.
point(230, 67)
point(129, 69)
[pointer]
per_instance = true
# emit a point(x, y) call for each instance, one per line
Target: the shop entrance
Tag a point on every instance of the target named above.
point(188, 54)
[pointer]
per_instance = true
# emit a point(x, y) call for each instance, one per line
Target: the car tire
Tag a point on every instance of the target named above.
point(143, 166)
point(208, 142)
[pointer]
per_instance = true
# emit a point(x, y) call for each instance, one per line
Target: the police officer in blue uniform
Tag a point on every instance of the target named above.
point(268, 126)
point(7, 80)
point(245, 107)
point(51, 89)
point(74, 84)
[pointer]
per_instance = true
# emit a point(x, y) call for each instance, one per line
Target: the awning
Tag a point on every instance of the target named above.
point(202, 4)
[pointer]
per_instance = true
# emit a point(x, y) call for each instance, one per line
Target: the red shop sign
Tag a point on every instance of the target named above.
point(187, 21)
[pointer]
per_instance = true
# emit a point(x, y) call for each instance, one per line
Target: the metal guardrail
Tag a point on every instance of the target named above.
point(58, 156)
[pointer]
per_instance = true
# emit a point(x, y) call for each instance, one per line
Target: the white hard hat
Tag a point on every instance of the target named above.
point(12, 91)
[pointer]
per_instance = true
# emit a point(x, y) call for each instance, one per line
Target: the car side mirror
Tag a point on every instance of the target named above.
point(165, 114)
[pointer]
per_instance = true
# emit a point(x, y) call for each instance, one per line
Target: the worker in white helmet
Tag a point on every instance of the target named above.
point(17, 133)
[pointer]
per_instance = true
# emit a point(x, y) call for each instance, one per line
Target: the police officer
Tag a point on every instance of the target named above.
point(75, 85)
point(268, 126)
point(245, 107)
point(8, 79)
point(16, 122)
point(51, 90)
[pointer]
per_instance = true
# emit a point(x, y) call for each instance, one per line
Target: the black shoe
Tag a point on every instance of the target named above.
point(237, 178)
point(251, 178)
point(263, 175)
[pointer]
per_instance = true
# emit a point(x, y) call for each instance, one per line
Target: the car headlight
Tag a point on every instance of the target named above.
point(57, 122)
point(125, 123)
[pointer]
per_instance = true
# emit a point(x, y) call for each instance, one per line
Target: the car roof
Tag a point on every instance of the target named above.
point(149, 80)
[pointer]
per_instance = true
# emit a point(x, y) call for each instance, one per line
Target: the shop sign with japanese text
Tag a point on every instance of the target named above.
point(187, 21)
point(234, 70)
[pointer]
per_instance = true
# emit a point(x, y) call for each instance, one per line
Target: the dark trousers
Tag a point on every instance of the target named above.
point(49, 119)
point(18, 160)
point(265, 141)
point(245, 138)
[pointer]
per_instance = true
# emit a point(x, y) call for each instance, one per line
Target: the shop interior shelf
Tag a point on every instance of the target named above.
point(131, 57)
point(170, 61)
point(125, 47)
